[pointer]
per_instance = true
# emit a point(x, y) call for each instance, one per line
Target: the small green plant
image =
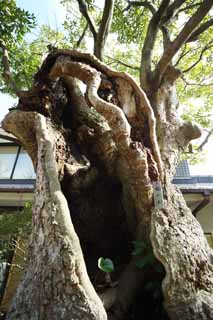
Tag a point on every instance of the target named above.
point(145, 256)
point(151, 291)
point(105, 265)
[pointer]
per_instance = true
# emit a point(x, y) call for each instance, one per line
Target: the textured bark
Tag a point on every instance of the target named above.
point(56, 285)
point(116, 137)
point(180, 245)
point(177, 237)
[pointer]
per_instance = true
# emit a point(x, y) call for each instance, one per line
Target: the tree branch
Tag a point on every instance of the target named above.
point(149, 42)
point(185, 33)
point(7, 75)
point(83, 7)
point(195, 35)
point(189, 7)
point(200, 148)
point(207, 47)
point(170, 12)
point(152, 9)
point(200, 84)
point(145, 4)
point(81, 36)
point(104, 28)
point(182, 55)
point(124, 64)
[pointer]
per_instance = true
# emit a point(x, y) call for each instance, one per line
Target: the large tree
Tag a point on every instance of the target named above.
point(104, 159)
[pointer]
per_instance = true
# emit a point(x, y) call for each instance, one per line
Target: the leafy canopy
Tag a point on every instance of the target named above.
point(15, 22)
point(123, 50)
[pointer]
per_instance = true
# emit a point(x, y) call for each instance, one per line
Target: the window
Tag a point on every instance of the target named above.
point(15, 163)
point(24, 167)
point(7, 160)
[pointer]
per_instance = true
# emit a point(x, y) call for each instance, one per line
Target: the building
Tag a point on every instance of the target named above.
point(198, 193)
point(17, 176)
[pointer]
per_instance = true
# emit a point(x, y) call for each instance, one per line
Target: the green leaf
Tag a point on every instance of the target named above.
point(139, 247)
point(148, 259)
point(137, 251)
point(106, 265)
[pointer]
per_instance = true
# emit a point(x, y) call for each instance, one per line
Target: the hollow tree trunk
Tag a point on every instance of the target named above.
point(96, 158)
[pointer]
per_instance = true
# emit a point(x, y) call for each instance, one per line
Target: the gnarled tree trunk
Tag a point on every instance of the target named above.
point(97, 156)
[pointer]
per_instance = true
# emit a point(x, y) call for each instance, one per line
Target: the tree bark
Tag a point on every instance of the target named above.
point(56, 284)
point(177, 237)
point(113, 137)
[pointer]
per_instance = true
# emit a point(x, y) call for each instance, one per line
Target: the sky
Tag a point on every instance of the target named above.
point(51, 12)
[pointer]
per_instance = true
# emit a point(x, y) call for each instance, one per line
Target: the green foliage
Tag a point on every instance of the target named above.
point(17, 222)
point(15, 22)
point(151, 291)
point(26, 58)
point(145, 257)
point(144, 253)
point(75, 24)
point(13, 225)
point(106, 265)
point(4, 246)
point(130, 25)
point(74, 29)
point(126, 40)
point(139, 247)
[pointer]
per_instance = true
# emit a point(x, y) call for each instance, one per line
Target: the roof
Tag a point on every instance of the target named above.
point(195, 184)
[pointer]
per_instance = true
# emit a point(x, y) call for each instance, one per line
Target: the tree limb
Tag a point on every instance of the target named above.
point(104, 28)
point(149, 42)
point(189, 7)
point(83, 7)
point(200, 148)
point(145, 4)
point(171, 11)
point(7, 75)
point(185, 33)
point(82, 36)
point(195, 35)
point(124, 64)
point(207, 47)
point(200, 84)
point(152, 9)
point(182, 55)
